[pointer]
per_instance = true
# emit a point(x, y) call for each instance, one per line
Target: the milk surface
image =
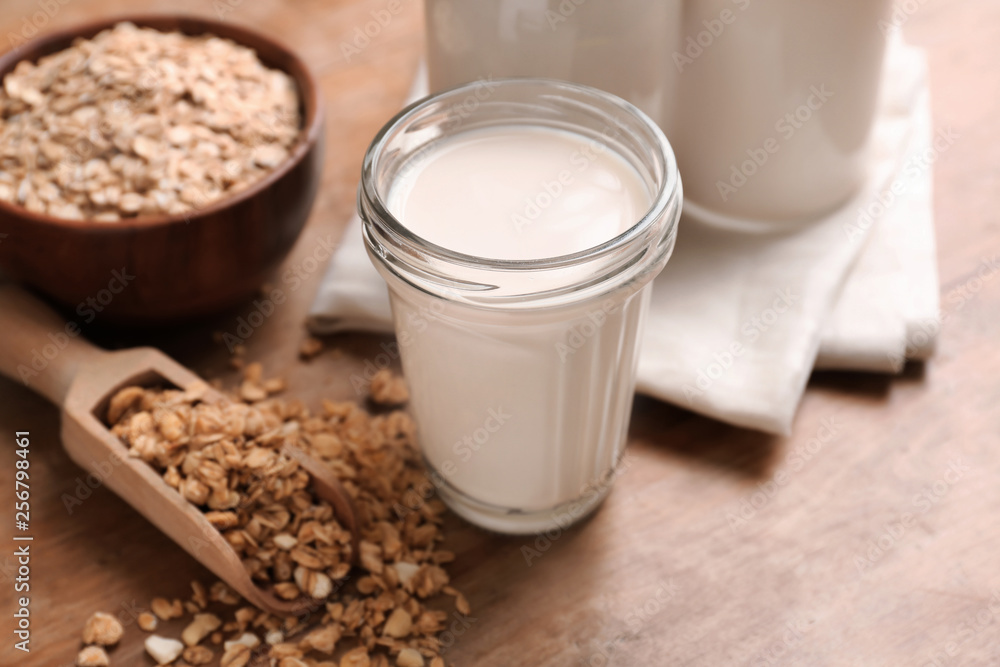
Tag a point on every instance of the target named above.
point(520, 413)
point(519, 193)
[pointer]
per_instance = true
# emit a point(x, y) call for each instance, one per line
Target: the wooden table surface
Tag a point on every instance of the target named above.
point(880, 547)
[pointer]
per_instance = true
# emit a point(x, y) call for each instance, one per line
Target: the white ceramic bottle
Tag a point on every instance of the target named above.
point(518, 236)
point(775, 103)
point(768, 103)
point(622, 47)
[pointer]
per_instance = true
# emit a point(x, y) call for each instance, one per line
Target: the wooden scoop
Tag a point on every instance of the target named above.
point(48, 355)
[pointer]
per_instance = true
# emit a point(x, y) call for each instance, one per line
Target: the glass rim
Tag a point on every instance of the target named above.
point(663, 199)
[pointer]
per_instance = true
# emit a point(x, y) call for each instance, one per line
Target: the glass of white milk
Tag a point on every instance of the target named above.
point(518, 224)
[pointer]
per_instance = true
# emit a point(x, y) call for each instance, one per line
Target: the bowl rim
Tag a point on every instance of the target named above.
point(188, 24)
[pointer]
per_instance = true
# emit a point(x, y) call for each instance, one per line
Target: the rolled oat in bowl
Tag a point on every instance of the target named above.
point(136, 122)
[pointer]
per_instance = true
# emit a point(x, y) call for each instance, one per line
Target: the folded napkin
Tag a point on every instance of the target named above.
point(889, 307)
point(739, 319)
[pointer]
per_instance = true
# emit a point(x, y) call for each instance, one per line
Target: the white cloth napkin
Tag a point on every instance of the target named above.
point(739, 320)
point(893, 287)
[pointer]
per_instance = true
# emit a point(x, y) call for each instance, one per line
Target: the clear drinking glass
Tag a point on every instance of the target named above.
point(521, 372)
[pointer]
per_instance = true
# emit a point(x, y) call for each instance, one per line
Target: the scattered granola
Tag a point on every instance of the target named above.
point(388, 388)
point(225, 455)
point(92, 656)
point(409, 658)
point(202, 626)
point(247, 639)
point(147, 621)
point(162, 649)
point(398, 624)
point(198, 655)
point(136, 122)
point(237, 655)
point(289, 641)
point(103, 629)
point(165, 609)
point(310, 348)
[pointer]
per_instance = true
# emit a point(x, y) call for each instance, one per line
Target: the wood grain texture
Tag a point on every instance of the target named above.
point(662, 575)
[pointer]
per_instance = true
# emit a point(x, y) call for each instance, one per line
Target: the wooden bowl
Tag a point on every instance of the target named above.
point(183, 265)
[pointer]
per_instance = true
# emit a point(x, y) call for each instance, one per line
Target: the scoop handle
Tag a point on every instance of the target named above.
point(38, 348)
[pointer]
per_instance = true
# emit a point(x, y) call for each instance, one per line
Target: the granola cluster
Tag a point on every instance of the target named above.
point(254, 637)
point(101, 631)
point(137, 122)
point(225, 455)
